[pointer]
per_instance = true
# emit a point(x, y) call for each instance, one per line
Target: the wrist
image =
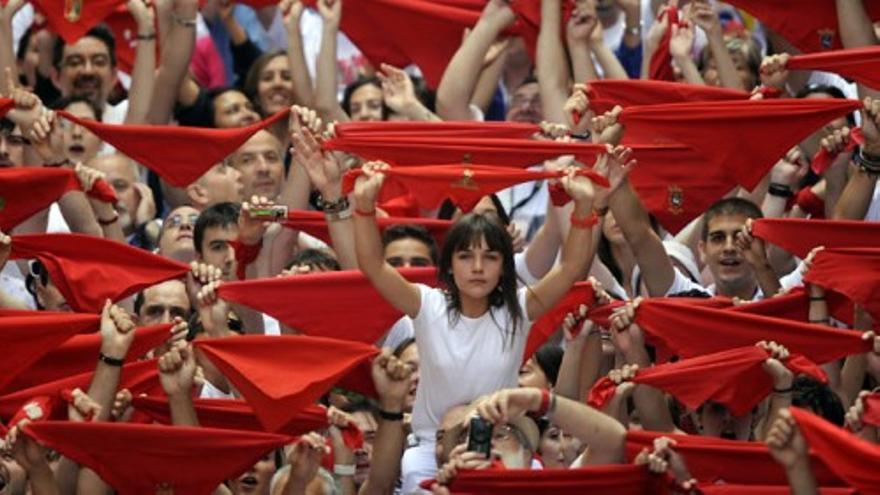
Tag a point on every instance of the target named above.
point(392, 404)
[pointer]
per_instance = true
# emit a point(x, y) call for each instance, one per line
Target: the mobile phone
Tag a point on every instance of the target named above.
point(273, 213)
point(480, 436)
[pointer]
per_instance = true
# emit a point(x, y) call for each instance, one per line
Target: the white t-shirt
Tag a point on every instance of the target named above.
point(400, 331)
point(683, 284)
point(463, 359)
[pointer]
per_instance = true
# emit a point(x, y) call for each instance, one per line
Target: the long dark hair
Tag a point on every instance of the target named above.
point(467, 232)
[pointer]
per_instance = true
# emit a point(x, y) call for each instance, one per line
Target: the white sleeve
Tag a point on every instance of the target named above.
point(683, 284)
point(522, 270)
point(793, 279)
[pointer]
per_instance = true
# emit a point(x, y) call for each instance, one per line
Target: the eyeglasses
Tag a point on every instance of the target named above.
point(14, 140)
point(178, 220)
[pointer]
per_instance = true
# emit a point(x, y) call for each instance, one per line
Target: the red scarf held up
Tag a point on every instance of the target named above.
point(855, 460)
point(710, 459)
point(77, 355)
point(464, 185)
point(799, 236)
point(89, 270)
point(25, 339)
point(817, 24)
point(617, 479)
point(468, 129)
point(315, 224)
point(233, 414)
point(853, 272)
point(604, 95)
point(25, 191)
point(310, 365)
point(661, 60)
point(546, 325)
point(810, 203)
point(180, 155)
point(71, 23)
point(690, 331)
point(734, 378)
point(823, 160)
point(872, 410)
point(713, 489)
point(721, 130)
point(407, 150)
point(139, 377)
point(340, 295)
point(211, 455)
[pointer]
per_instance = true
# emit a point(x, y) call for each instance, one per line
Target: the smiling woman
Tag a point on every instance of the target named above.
point(269, 83)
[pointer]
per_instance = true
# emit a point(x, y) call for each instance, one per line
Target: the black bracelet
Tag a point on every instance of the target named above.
point(390, 416)
point(784, 390)
point(145, 37)
point(780, 190)
point(109, 360)
point(817, 298)
point(825, 321)
point(867, 163)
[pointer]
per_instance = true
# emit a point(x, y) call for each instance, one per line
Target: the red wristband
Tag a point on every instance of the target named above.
point(362, 213)
point(584, 223)
point(545, 403)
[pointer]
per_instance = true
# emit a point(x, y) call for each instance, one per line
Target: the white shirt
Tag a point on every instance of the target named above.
point(683, 284)
point(462, 359)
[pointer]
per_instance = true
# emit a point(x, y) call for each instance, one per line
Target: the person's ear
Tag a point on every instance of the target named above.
point(701, 249)
point(197, 195)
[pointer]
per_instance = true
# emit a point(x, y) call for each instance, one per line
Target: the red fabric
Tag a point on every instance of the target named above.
point(734, 378)
point(314, 224)
point(816, 25)
point(859, 64)
point(810, 203)
point(580, 293)
point(509, 130)
point(180, 155)
point(464, 185)
point(92, 12)
point(78, 354)
point(799, 236)
point(6, 104)
point(139, 377)
point(410, 150)
point(190, 460)
point(605, 94)
point(852, 272)
point(767, 128)
point(233, 415)
point(310, 365)
point(25, 339)
point(872, 410)
point(691, 330)
point(853, 459)
point(661, 60)
point(710, 459)
point(25, 191)
point(617, 479)
point(88, 270)
point(713, 489)
point(244, 256)
point(822, 160)
point(339, 295)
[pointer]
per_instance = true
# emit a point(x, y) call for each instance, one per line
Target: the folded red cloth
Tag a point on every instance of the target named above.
point(852, 272)
point(71, 19)
point(872, 410)
point(756, 133)
point(661, 61)
point(855, 460)
point(604, 95)
point(89, 270)
point(310, 365)
point(617, 479)
point(6, 104)
point(180, 155)
point(509, 130)
point(233, 414)
point(799, 236)
point(823, 160)
point(710, 459)
point(77, 355)
point(211, 455)
point(546, 325)
point(463, 185)
point(817, 24)
point(339, 294)
point(25, 191)
point(734, 378)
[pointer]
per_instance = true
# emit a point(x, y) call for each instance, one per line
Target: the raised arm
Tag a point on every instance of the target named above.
point(179, 21)
point(704, 15)
point(302, 82)
point(7, 55)
point(789, 448)
point(460, 78)
point(581, 25)
point(177, 369)
point(859, 190)
point(326, 101)
point(143, 75)
point(550, 66)
point(402, 294)
point(856, 30)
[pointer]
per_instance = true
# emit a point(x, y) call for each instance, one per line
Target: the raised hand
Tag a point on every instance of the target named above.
point(250, 226)
point(82, 407)
point(144, 15)
point(177, 369)
point(871, 125)
point(291, 10)
point(393, 380)
point(787, 445)
point(305, 458)
point(331, 12)
point(752, 247)
point(213, 311)
point(773, 71)
point(606, 127)
point(367, 186)
point(324, 170)
point(117, 331)
point(681, 44)
point(583, 23)
point(773, 365)
point(504, 405)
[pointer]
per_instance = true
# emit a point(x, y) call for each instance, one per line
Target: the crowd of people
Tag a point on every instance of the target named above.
point(625, 246)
